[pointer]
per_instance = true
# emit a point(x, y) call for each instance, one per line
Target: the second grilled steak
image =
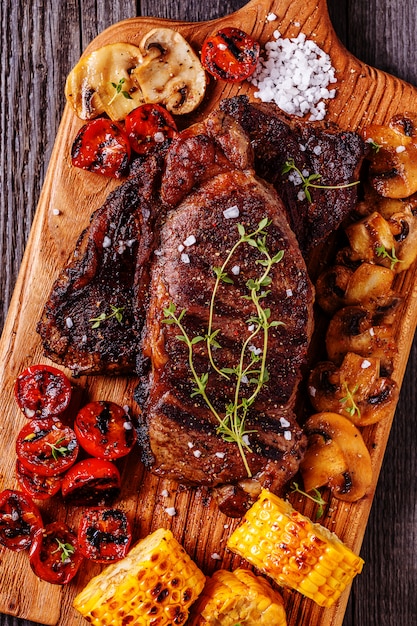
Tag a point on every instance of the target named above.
point(198, 235)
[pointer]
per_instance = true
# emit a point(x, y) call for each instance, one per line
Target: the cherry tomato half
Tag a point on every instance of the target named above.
point(230, 54)
point(101, 146)
point(20, 520)
point(42, 391)
point(55, 555)
point(104, 430)
point(37, 486)
point(46, 447)
point(91, 482)
point(104, 534)
point(148, 126)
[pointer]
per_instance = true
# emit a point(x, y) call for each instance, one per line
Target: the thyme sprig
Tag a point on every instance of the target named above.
point(376, 147)
point(116, 311)
point(66, 549)
point(315, 497)
point(57, 450)
point(119, 90)
point(251, 367)
point(312, 180)
point(349, 400)
point(382, 252)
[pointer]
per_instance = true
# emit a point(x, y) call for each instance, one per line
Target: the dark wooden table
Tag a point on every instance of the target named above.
point(40, 42)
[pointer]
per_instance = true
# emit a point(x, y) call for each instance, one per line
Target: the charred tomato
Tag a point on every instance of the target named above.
point(42, 391)
point(46, 447)
point(230, 54)
point(104, 534)
point(20, 520)
point(105, 430)
point(55, 555)
point(101, 146)
point(149, 126)
point(91, 482)
point(37, 486)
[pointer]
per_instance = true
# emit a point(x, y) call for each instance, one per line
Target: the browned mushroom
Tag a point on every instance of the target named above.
point(340, 286)
point(171, 72)
point(336, 456)
point(366, 332)
point(372, 240)
point(393, 164)
point(102, 82)
point(356, 389)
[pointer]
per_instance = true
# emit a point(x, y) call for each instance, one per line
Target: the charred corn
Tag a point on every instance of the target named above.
point(238, 597)
point(155, 583)
point(293, 551)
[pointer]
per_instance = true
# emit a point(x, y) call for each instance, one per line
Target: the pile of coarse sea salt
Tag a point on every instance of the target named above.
point(295, 74)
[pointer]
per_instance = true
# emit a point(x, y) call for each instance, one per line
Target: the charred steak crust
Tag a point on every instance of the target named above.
point(108, 268)
point(316, 148)
point(181, 430)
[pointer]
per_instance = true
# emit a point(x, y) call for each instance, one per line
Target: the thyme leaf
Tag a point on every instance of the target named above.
point(382, 252)
point(349, 400)
point(116, 312)
point(56, 450)
point(119, 90)
point(315, 497)
point(376, 147)
point(310, 181)
point(67, 550)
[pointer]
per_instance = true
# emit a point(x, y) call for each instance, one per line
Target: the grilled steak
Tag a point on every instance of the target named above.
point(316, 148)
point(219, 192)
point(107, 276)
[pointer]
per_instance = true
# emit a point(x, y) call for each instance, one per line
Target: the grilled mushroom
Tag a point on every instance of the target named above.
point(362, 331)
point(355, 390)
point(336, 456)
point(104, 82)
point(170, 73)
point(393, 167)
point(371, 240)
point(340, 286)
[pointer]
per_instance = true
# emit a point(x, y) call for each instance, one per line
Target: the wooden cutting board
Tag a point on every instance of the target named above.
point(363, 95)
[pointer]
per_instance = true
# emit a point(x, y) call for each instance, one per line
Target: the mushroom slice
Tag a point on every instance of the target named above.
point(393, 167)
point(369, 283)
point(104, 82)
point(404, 229)
point(364, 332)
point(336, 456)
point(331, 288)
point(170, 73)
point(340, 286)
point(355, 390)
point(371, 240)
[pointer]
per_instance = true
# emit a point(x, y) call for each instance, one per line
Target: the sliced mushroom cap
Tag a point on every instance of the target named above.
point(355, 390)
point(369, 238)
point(363, 332)
point(340, 286)
point(336, 457)
point(104, 82)
point(393, 168)
point(170, 72)
point(404, 228)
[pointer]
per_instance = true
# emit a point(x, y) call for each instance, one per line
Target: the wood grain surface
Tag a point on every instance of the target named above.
point(40, 43)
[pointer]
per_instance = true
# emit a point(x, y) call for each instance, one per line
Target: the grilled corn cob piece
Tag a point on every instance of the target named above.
point(155, 583)
point(239, 597)
point(293, 551)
